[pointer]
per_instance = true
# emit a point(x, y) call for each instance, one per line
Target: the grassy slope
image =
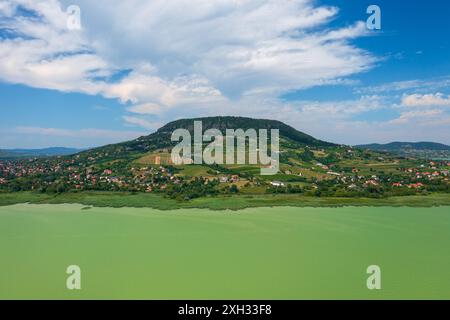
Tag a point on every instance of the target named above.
point(119, 199)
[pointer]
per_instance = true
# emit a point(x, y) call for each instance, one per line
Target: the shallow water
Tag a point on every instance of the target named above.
point(258, 253)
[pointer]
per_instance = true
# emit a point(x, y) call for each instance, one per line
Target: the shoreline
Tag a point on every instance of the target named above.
point(233, 203)
point(86, 208)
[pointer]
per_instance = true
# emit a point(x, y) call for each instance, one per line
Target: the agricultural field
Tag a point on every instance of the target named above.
point(256, 253)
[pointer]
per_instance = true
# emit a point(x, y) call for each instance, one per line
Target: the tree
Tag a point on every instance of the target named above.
point(234, 189)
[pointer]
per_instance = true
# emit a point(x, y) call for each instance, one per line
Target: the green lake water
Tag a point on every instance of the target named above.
point(258, 253)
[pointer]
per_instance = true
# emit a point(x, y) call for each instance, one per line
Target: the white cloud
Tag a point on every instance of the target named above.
point(6, 8)
point(44, 54)
point(408, 85)
point(199, 57)
point(180, 51)
point(45, 131)
point(143, 123)
point(416, 115)
point(145, 108)
point(41, 137)
point(142, 86)
point(82, 133)
point(426, 100)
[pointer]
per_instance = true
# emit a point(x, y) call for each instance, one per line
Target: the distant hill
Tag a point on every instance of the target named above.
point(31, 153)
point(397, 146)
point(428, 150)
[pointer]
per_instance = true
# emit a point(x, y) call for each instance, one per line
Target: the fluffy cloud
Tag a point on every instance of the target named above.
point(145, 108)
point(415, 115)
point(41, 137)
point(426, 100)
point(179, 53)
point(198, 57)
point(40, 51)
point(82, 133)
point(422, 85)
point(143, 123)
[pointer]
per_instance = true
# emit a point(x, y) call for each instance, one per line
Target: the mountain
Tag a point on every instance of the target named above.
point(428, 150)
point(32, 153)
point(223, 123)
point(161, 139)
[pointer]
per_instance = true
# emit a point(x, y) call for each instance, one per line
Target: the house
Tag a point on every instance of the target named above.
point(107, 171)
point(113, 180)
point(234, 178)
point(333, 173)
point(397, 184)
point(416, 185)
point(277, 184)
point(223, 179)
point(372, 182)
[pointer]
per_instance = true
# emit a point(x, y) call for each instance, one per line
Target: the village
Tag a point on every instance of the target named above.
point(64, 174)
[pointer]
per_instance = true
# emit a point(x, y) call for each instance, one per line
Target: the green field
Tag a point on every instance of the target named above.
point(256, 253)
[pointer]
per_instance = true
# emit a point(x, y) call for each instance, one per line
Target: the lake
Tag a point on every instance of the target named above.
point(257, 253)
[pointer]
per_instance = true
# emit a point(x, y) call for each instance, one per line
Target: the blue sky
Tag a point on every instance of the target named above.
point(311, 64)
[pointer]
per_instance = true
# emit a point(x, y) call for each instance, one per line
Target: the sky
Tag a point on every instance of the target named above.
point(133, 66)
